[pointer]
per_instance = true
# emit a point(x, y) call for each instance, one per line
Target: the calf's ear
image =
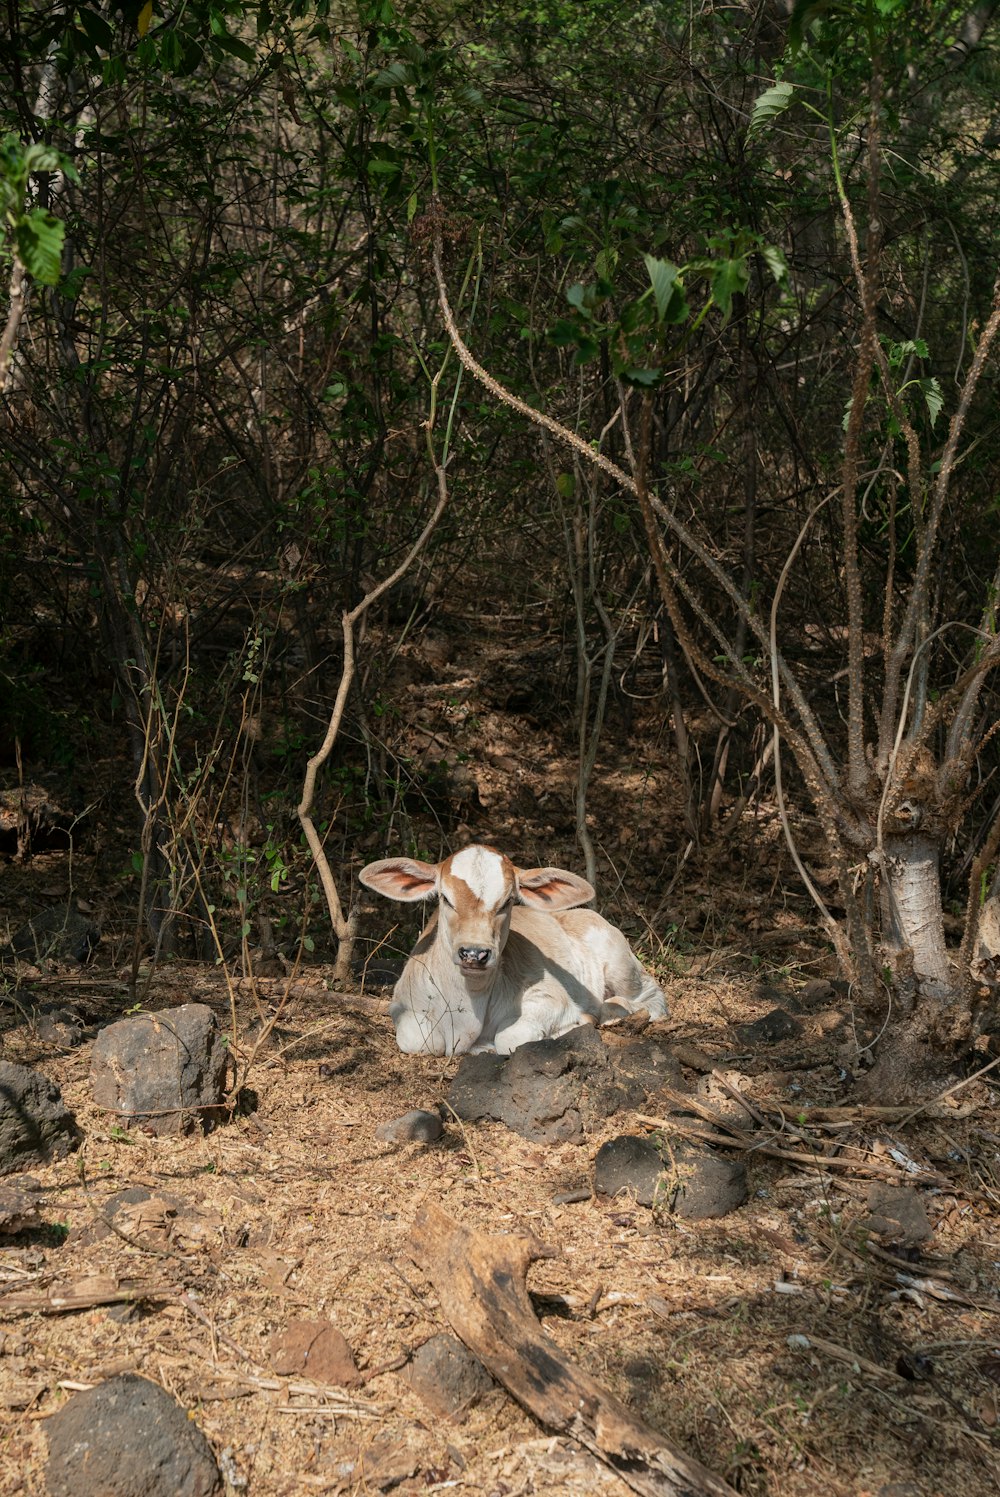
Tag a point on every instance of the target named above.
point(401, 878)
point(552, 888)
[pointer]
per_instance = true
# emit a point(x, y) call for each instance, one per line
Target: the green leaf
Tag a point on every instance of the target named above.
point(98, 31)
point(71, 285)
point(776, 263)
point(399, 75)
point(771, 103)
point(641, 376)
point(39, 158)
point(235, 47)
point(663, 276)
point(171, 51)
point(933, 397)
point(565, 485)
point(39, 238)
point(730, 278)
point(605, 263)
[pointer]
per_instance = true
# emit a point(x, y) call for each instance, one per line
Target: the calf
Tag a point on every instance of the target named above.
point(505, 958)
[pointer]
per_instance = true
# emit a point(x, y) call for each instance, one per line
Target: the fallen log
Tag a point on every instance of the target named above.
point(481, 1284)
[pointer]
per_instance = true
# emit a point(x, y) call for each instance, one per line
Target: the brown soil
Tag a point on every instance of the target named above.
point(780, 1346)
point(295, 1211)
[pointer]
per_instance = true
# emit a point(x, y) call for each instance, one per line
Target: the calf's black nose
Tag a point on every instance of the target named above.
point(474, 956)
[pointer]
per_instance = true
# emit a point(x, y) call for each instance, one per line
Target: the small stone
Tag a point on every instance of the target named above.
point(314, 1349)
point(19, 1205)
point(774, 1027)
point(128, 1438)
point(447, 1377)
point(816, 993)
point(630, 1166)
point(898, 1215)
point(35, 1124)
point(62, 1027)
point(415, 1127)
point(61, 934)
point(702, 1186)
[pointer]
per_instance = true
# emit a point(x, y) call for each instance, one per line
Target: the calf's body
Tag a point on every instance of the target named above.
point(505, 958)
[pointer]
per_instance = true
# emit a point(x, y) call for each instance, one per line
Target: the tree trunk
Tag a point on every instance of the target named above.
point(912, 917)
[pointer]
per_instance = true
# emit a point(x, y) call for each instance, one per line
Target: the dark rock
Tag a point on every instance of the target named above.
point(416, 1127)
point(61, 934)
point(448, 1377)
point(817, 993)
point(701, 1185)
point(898, 1215)
point(628, 1165)
point(35, 1124)
point(682, 1178)
point(314, 1349)
point(128, 1438)
point(19, 1205)
point(59, 1026)
point(96, 1228)
point(643, 1067)
point(164, 1070)
point(774, 1027)
point(553, 1091)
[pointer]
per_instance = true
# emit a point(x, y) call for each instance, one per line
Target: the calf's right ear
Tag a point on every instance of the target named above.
point(401, 878)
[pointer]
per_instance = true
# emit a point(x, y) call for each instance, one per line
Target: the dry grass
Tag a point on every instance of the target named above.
point(773, 1345)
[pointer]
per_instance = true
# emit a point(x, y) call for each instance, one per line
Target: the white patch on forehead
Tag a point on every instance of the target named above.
point(483, 871)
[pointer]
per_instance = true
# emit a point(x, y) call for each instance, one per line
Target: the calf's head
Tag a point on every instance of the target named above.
point(477, 889)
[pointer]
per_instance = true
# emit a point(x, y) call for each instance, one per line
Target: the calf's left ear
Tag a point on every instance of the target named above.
point(552, 888)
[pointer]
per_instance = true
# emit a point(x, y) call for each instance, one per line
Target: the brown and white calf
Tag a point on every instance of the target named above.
point(505, 958)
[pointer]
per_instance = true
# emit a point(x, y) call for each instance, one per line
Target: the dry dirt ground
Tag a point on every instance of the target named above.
point(785, 1346)
point(792, 1347)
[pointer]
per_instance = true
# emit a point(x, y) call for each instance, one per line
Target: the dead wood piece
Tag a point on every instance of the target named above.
point(85, 1295)
point(481, 1284)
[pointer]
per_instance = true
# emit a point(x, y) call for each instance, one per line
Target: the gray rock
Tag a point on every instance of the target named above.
point(59, 1026)
point(128, 1438)
point(19, 1205)
point(164, 1070)
point(643, 1066)
point(553, 1091)
point(816, 993)
point(36, 1126)
point(683, 1179)
point(61, 934)
point(447, 1377)
point(701, 1185)
point(629, 1166)
point(898, 1215)
point(774, 1027)
point(547, 1091)
point(415, 1127)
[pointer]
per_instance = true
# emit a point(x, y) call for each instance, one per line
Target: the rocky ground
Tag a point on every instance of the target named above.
point(835, 1333)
